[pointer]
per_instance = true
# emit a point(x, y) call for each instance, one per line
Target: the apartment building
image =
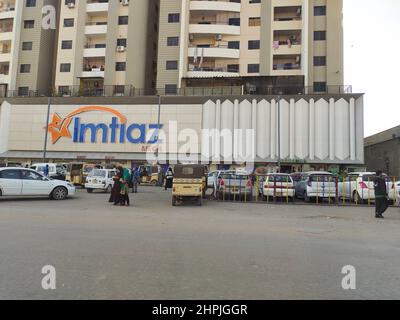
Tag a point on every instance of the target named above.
point(26, 49)
point(104, 47)
point(252, 45)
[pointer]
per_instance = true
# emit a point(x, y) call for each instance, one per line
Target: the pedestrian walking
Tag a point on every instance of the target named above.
point(46, 170)
point(169, 177)
point(135, 180)
point(381, 201)
point(116, 189)
point(124, 194)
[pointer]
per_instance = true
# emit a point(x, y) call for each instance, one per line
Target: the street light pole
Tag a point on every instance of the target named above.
point(158, 125)
point(279, 134)
point(47, 130)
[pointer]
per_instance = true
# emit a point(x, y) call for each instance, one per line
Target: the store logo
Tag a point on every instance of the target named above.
point(116, 131)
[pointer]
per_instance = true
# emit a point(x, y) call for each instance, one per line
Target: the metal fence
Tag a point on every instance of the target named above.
point(130, 91)
point(322, 190)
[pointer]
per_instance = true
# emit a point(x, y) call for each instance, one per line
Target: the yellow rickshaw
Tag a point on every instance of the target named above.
point(149, 174)
point(77, 172)
point(190, 183)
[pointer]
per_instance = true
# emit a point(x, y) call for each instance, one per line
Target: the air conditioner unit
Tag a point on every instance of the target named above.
point(121, 49)
point(125, 2)
point(71, 5)
point(219, 37)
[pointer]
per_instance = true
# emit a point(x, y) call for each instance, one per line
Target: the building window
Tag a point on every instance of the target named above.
point(65, 67)
point(172, 65)
point(66, 44)
point(25, 68)
point(171, 89)
point(64, 90)
point(234, 22)
point(119, 90)
point(320, 11)
point(320, 87)
point(253, 68)
point(173, 41)
point(254, 44)
point(173, 18)
point(254, 22)
point(319, 35)
point(68, 23)
point(120, 66)
point(30, 3)
point(254, 1)
point(319, 61)
point(232, 68)
point(29, 24)
point(123, 20)
point(27, 46)
point(23, 91)
point(122, 42)
point(234, 44)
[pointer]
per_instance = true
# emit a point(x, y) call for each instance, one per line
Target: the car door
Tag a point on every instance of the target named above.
point(10, 182)
point(34, 184)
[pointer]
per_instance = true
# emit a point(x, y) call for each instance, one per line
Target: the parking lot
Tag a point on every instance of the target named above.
point(222, 250)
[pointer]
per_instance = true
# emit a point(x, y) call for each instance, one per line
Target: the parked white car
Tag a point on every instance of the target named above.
point(321, 185)
point(360, 186)
point(28, 182)
point(100, 179)
point(212, 177)
point(357, 186)
point(279, 185)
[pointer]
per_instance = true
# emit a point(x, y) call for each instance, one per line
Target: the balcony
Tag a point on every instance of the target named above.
point(214, 52)
point(287, 42)
point(93, 73)
point(226, 6)
point(214, 29)
point(5, 57)
point(96, 7)
point(93, 68)
point(96, 28)
point(94, 52)
point(212, 69)
point(286, 65)
point(7, 11)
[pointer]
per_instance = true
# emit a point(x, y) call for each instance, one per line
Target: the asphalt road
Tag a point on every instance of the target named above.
point(219, 251)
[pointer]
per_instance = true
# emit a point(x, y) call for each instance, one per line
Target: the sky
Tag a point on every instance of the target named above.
point(372, 59)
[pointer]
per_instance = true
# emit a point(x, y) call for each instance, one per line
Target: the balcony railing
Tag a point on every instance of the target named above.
point(130, 91)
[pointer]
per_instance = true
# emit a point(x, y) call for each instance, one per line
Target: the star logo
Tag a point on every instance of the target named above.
point(58, 128)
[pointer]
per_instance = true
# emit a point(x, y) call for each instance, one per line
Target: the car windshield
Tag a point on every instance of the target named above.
point(321, 178)
point(368, 177)
point(233, 176)
point(280, 178)
point(97, 173)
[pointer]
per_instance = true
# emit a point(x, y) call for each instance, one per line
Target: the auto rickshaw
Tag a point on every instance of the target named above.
point(190, 183)
point(149, 174)
point(78, 171)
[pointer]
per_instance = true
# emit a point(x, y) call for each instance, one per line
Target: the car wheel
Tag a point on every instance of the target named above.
point(89, 190)
point(1, 193)
point(173, 201)
point(306, 198)
point(153, 183)
point(200, 201)
point(59, 193)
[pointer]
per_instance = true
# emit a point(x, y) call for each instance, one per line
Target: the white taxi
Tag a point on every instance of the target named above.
point(100, 179)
